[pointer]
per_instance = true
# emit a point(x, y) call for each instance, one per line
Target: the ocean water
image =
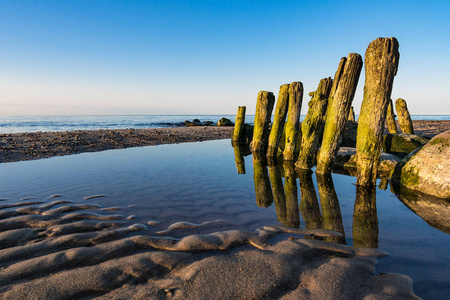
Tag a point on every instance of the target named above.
point(15, 124)
point(207, 181)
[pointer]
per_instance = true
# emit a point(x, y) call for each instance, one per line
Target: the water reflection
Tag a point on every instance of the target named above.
point(239, 152)
point(276, 182)
point(290, 189)
point(263, 191)
point(329, 204)
point(365, 219)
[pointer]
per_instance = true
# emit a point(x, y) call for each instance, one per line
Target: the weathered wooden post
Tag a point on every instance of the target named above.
point(278, 121)
point(404, 118)
point(309, 204)
point(339, 102)
point(381, 63)
point(312, 125)
point(365, 219)
point(279, 196)
point(293, 120)
point(263, 191)
point(238, 133)
point(264, 107)
point(390, 118)
point(290, 189)
point(351, 115)
point(329, 203)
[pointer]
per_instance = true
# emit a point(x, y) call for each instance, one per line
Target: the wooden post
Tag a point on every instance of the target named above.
point(279, 196)
point(339, 102)
point(238, 133)
point(365, 219)
point(390, 118)
point(351, 115)
point(329, 203)
point(309, 204)
point(290, 189)
point(381, 63)
point(278, 121)
point(264, 107)
point(404, 118)
point(312, 125)
point(293, 121)
point(263, 191)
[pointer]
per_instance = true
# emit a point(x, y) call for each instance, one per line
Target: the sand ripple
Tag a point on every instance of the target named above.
point(65, 250)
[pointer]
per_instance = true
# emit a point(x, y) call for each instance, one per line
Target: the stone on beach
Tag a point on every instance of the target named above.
point(427, 169)
point(402, 144)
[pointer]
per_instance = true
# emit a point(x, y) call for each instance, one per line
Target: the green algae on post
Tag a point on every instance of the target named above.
point(381, 63)
point(264, 106)
point(351, 115)
point(404, 118)
point(278, 122)
point(339, 102)
point(293, 121)
point(312, 125)
point(239, 126)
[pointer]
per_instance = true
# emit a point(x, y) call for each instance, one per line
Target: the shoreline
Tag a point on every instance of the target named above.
point(37, 145)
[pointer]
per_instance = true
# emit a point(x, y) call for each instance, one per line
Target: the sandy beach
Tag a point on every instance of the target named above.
point(37, 145)
point(56, 248)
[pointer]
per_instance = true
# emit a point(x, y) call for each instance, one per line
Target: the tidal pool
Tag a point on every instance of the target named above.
point(210, 181)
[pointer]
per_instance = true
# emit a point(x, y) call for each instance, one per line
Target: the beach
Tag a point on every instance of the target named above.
point(167, 241)
point(37, 145)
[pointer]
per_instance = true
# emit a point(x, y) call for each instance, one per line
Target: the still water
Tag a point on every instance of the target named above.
point(198, 182)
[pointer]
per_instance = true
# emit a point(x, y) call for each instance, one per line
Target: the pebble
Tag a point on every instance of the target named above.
point(153, 223)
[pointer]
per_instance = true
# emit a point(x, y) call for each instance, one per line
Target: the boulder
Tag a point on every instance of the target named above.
point(207, 123)
point(427, 169)
point(402, 144)
point(225, 122)
point(346, 158)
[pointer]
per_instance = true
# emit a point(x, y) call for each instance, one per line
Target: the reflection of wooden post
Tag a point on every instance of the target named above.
point(381, 64)
point(263, 192)
point(278, 121)
point(390, 119)
point(293, 120)
point(278, 192)
point(312, 125)
point(264, 106)
point(331, 212)
point(290, 189)
point(309, 204)
point(239, 159)
point(365, 219)
point(239, 126)
point(351, 115)
point(339, 102)
point(404, 118)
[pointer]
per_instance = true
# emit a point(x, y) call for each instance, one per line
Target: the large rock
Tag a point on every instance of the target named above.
point(225, 122)
point(402, 144)
point(427, 170)
point(346, 158)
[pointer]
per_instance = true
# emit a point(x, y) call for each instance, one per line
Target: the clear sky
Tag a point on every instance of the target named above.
point(207, 57)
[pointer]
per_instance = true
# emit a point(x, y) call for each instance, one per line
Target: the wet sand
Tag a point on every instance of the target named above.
point(36, 145)
point(58, 249)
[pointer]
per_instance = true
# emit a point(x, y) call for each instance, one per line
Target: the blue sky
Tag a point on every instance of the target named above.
point(207, 57)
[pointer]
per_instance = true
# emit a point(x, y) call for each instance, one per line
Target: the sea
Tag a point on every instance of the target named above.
point(18, 124)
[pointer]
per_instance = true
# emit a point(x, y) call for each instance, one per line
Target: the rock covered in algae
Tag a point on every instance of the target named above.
point(428, 169)
point(402, 144)
point(225, 122)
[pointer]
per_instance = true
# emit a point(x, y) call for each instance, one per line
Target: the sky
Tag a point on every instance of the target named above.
point(207, 57)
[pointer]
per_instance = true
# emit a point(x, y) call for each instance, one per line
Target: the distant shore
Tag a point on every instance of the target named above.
point(37, 145)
